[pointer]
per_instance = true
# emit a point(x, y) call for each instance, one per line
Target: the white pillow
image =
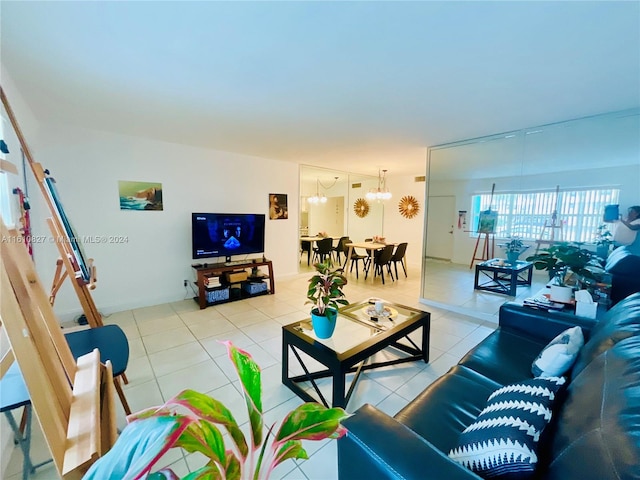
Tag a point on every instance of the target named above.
point(558, 356)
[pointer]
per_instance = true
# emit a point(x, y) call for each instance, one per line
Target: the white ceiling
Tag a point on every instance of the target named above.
point(348, 85)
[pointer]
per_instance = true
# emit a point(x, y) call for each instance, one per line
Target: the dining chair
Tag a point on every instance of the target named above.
point(398, 256)
point(339, 248)
point(355, 258)
point(381, 259)
point(323, 249)
point(305, 247)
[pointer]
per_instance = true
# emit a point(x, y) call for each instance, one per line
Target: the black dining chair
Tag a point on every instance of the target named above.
point(398, 256)
point(381, 259)
point(339, 248)
point(323, 249)
point(355, 258)
point(305, 247)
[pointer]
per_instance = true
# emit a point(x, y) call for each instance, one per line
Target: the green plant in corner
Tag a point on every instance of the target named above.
point(325, 288)
point(191, 421)
point(563, 258)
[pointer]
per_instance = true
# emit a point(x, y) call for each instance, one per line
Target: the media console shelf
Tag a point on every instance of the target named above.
point(225, 272)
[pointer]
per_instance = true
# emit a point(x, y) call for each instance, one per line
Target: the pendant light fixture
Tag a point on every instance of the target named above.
point(320, 198)
point(382, 192)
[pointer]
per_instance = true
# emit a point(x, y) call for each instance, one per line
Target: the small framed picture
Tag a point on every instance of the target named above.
point(487, 222)
point(278, 206)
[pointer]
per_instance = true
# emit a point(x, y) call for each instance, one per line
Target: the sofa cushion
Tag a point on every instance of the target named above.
point(504, 438)
point(598, 425)
point(446, 407)
point(504, 356)
point(622, 321)
point(558, 356)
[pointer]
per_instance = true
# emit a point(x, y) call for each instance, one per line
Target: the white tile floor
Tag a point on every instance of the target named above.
point(176, 346)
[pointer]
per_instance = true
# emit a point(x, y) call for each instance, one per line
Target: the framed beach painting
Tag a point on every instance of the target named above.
point(487, 221)
point(140, 195)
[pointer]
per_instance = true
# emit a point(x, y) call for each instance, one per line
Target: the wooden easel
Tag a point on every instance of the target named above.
point(74, 401)
point(60, 236)
point(548, 233)
point(488, 247)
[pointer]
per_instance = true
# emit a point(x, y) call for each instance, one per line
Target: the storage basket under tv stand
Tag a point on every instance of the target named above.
point(221, 269)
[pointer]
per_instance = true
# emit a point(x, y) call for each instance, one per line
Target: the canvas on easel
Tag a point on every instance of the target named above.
point(487, 221)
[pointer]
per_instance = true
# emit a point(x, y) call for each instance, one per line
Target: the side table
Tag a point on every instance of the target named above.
point(504, 278)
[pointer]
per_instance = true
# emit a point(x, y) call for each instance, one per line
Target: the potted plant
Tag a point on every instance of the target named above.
point(562, 261)
point(191, 421)
point(513, 248)
point(325, 293)
point(604, 240)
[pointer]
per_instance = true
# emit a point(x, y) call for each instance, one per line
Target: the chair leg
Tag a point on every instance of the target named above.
point(403, 268)
point(124, 378)
point(123, 399)
point(395, 265)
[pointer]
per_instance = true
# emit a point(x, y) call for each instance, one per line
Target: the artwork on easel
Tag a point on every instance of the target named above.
point(488, 221)
point(76, 246)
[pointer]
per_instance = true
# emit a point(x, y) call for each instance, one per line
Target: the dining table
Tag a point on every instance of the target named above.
point(311, 241)
point(370, 247)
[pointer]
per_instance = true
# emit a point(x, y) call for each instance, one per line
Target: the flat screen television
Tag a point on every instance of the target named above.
point(226, 234)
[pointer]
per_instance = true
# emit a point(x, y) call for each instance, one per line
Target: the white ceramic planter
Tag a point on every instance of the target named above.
point(561, 294)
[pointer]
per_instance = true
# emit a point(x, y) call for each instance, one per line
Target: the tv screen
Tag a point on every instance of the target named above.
point(226, 234)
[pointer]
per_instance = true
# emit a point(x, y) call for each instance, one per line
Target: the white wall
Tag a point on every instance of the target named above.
point(149, 268)
point(399, 229)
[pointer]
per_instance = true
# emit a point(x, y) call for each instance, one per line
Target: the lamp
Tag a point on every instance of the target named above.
point(320, 197)
point(382, 192)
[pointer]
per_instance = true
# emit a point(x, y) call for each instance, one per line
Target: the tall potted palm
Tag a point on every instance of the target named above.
point(325, 293)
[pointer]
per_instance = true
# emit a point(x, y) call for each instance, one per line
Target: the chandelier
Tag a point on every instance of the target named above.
point(320, 198)
point(382, 192)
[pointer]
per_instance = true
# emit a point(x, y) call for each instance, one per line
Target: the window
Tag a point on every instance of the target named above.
point(524, 215)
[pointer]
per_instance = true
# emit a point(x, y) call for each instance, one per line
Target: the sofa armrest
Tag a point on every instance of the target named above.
point(540, 324)
point(378, 446)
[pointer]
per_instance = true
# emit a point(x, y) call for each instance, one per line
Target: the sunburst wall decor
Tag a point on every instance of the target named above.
point(361, 207)
point(408, 206)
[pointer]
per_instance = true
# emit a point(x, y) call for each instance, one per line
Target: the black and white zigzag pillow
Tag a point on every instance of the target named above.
point(503, 440)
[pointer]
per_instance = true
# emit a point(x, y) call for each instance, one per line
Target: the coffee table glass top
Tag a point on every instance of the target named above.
point(354, 326)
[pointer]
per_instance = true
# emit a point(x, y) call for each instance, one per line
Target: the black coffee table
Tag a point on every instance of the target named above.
point(355, 339)
point(503, 278)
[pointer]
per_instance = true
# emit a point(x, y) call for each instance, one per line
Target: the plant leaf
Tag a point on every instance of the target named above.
point(204, 473)
point(310, 421)
point(233, 469)
point(164, 474)
point(290, 449)
point(249, 374)
point(210, 409)
point(203, 437)
point(139, 447)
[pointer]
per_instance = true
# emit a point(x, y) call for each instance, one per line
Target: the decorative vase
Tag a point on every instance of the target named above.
point(560, 294)
point(512, 257)
point(324, 325)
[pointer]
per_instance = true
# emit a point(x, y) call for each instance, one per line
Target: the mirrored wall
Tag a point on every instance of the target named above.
point(335, 212)
point(591, 153)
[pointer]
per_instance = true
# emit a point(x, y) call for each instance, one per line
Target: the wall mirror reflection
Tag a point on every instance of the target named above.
point(573, 168)
point(328, 201)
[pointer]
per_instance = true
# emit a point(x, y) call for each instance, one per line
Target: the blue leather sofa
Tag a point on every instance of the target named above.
point(624, 268)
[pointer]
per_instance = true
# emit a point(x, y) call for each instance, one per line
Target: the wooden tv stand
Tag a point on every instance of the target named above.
point(205, 270)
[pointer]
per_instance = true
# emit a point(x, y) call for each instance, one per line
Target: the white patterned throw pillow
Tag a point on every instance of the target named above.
point(559, 355)
point(503, 441)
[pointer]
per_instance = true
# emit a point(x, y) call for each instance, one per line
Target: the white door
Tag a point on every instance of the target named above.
point(440, 222)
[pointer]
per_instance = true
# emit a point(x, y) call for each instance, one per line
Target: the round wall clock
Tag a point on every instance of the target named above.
point(361, 207)
point(408, 206)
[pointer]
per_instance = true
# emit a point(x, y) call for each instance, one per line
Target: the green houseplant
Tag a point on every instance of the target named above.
point(513, 248)
point(191, 421)
point(603, 240)
point(564, 260)
point(325, 293)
